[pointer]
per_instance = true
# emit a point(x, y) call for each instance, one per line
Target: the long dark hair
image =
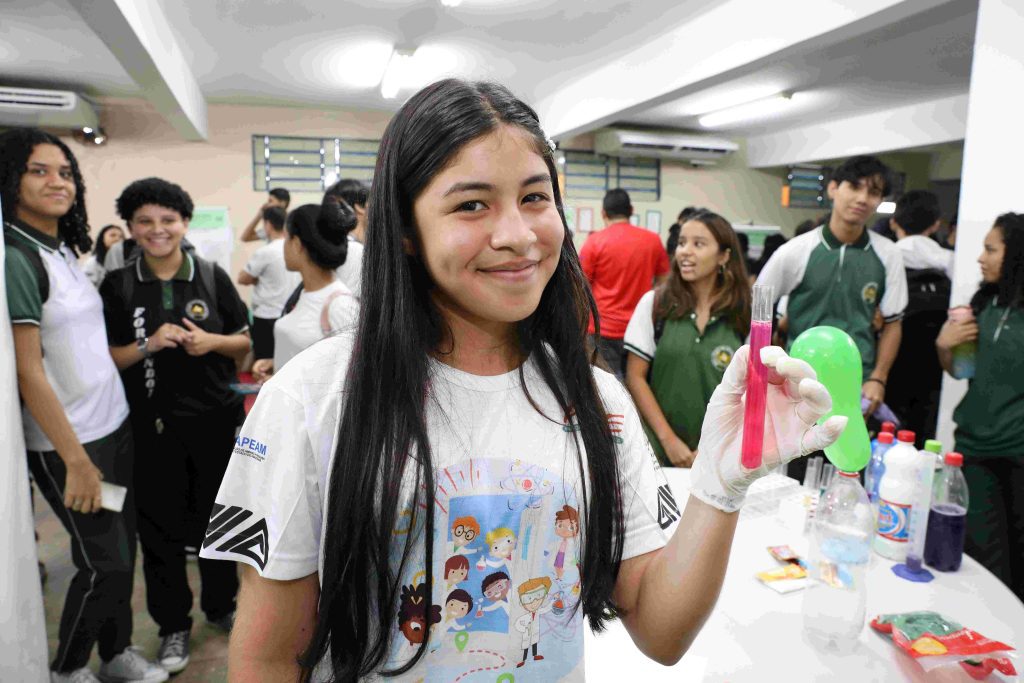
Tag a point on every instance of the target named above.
point(674, 298)
point(1010, 287)
point(383, 422)
point(15, 149)
point(323, 231)
point(100, 250)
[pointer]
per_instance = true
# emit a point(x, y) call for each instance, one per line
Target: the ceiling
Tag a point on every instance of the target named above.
point(326, 53)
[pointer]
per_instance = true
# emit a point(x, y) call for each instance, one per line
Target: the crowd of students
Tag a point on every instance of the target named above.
point(457, 413)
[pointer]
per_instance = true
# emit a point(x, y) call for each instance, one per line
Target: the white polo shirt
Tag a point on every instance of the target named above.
point(275, 283)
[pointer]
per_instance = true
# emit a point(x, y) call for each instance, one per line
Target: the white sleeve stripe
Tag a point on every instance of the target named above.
point(634, 350)
point(26, 321)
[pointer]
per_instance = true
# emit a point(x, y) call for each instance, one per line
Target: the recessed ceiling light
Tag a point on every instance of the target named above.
point(451, 3)
point(751, 110)
point(398, 73)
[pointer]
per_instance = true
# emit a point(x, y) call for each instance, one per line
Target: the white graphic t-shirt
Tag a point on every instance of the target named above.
point(507, 514)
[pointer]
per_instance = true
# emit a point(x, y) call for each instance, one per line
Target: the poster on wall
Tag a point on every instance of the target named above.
point(210, 230)
point(585, 219)
point(653, 221)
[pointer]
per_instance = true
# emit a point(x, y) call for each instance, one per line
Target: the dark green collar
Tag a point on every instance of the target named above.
point(832, 242)
point(35, 237)
point(185, 272)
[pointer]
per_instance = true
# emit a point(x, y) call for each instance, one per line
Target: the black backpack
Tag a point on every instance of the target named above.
point(928, 291)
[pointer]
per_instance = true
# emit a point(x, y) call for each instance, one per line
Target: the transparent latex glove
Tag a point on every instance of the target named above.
point(796, 401)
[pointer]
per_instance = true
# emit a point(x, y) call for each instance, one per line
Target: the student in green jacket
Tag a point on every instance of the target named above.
point(683, 334)
point(989, 419)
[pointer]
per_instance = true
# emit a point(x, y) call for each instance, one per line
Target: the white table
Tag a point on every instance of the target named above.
point(756, 634)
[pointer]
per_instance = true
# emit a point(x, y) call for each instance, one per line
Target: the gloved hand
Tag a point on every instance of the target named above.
point(796, 401)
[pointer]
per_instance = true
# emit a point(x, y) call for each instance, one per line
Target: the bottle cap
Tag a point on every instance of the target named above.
point(906, 436)
point(933, 446)
point(885, 437)
point(954, 459)
point(889, 427)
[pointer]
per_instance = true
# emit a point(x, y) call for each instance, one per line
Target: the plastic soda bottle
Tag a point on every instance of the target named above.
point(947, 522)
point(835, 601)
point(876, 468)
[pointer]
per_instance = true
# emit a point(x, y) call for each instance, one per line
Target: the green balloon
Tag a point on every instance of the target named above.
point(836, 359)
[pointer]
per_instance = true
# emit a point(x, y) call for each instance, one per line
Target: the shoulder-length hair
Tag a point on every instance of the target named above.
point(1009, 289)
point(730, 298)
point(383, 422)
point(15, 149)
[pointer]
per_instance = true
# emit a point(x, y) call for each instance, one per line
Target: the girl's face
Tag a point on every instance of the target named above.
point(991, 259)
point(47, 190)
point(565, 528)
point(112, 237)
point(698, 256)
point(489, 231)
point(292, 249)
point(158, 229)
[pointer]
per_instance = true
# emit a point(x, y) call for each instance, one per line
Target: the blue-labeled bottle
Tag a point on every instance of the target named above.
point(876, 468)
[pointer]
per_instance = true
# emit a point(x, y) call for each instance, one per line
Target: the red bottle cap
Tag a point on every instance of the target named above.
point(889, 427)
point(885, 437)
point(906, 436)
point(954, 459)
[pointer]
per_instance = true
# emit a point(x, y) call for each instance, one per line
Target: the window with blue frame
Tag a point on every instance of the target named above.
point(301, 164)
point(589, 176)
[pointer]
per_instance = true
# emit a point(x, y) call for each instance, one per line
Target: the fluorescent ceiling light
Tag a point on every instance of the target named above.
point(398, 73)
point(751, 110)
point(451, 3)
point(887, 207)
point(716, 101)
point(359, 63)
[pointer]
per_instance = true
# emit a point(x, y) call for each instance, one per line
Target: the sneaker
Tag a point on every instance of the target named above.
point(173, 653)
point(131, 667)
point(225, 623)
point(83, 675)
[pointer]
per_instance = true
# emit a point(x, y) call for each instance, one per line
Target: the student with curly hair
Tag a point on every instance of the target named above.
point(74, 409)
point(176, 327)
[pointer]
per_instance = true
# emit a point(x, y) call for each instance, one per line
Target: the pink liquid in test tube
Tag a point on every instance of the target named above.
point(757, 378)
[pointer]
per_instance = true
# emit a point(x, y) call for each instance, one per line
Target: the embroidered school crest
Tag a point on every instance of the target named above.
point(870, 293)
point(721, 356)
point(197, 310)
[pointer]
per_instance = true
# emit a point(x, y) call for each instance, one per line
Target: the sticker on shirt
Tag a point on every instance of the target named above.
point(506, 579)
point(870, 293)
point(721, 356)
point(197, 309)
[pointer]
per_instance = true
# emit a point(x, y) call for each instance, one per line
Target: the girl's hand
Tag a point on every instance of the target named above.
point(167, 336)
point(199, 342)
point(678, 453)
point(796, 401)
point(954, 333)
point(263, 369)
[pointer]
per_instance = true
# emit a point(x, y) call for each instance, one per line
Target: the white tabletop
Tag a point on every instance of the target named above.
point(756, 634)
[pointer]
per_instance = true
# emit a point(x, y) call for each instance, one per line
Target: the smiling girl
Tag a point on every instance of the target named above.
point(684, 333)
point(469, 350)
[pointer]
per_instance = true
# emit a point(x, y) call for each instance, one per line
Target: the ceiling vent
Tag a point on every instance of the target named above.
point(696, 149)
point(45, 109)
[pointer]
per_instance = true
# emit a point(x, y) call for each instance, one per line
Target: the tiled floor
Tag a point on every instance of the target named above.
point(209, 659)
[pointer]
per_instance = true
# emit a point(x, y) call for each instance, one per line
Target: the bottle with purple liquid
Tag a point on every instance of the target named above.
point(947, 521)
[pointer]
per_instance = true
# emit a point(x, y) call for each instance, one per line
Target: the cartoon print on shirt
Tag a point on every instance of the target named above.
point(456, 606)
point(495, 588)
point(567, 528)
point(464, 531)
point(501, 543)
point(456, 569)
point(533, 597)
point(413, 616)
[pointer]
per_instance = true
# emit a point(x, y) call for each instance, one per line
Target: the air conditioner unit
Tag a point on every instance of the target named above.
point(46, 109)
point(699, 150)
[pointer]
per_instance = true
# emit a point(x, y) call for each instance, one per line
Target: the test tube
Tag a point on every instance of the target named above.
point(918, 526)
point(757, 378)
point(812, 474)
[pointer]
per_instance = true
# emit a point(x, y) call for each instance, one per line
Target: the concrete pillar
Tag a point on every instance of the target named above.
point(993, 150)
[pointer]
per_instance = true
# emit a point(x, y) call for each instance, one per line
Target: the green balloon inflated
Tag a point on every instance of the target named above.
point(836, 359)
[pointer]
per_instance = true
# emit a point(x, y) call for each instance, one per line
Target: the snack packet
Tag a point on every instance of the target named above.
point(935, 641)
point(785, 579)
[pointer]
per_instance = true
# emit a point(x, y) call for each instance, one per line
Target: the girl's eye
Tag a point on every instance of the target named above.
point(534, 197)
point(471, 206)
point(66, 175)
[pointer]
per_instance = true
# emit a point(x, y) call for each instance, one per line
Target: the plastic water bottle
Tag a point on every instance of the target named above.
point(876, 468)
point(896, 493)
point(835, 601)
point(947, 523)
point(935, 446)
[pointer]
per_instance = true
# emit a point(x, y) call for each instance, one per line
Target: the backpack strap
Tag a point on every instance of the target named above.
point(293, 300)
point(208, 277)
point(325, 314)
point(42, 276)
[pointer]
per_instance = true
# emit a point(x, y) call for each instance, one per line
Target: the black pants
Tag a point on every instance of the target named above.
point(177, 475)
point(613, 353)
point(995, 520)
point(97, 608)
point(263, 337)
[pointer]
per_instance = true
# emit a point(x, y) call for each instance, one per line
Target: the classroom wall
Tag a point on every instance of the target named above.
point(217, 172)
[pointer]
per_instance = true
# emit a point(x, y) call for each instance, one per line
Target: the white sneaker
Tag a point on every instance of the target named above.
point(173, 653)
point(131, 667)
point(83, 675)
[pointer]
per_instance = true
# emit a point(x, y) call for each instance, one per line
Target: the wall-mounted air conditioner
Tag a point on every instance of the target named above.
point(46, 109)
point(696, 149)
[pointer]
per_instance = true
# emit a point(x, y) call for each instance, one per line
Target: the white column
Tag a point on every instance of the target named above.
point(993, 148)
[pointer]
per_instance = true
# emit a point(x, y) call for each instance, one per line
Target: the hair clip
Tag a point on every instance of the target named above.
point(551, 144)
